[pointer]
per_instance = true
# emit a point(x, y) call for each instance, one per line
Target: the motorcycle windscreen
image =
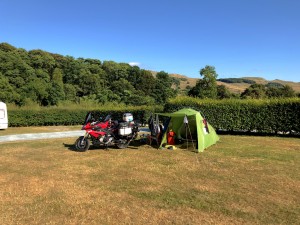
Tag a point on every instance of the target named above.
point(88, 117)
point(108, 117)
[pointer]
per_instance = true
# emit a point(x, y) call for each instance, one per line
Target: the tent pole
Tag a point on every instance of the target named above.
point(191, 137)
point(186, 137)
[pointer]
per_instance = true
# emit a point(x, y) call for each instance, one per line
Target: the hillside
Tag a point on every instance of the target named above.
point(235, 87)
point(47, 79)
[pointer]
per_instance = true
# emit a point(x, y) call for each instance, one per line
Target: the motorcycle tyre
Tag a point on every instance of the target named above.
point(123, 145)
point(82, 148)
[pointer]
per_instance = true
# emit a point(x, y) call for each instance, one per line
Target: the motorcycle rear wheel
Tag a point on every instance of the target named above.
point(82, 144)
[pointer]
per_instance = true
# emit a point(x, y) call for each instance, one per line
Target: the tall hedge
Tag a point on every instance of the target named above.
point(53, 116)
point(265, 116)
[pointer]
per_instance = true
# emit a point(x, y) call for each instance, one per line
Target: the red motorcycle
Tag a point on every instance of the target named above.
point(106, 133)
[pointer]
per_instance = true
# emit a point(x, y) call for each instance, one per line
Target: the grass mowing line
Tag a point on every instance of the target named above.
point(239, 180)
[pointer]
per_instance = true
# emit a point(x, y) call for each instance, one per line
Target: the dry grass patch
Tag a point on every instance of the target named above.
point(241, 180)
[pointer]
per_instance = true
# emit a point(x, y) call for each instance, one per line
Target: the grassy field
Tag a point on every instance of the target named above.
point(240, 180)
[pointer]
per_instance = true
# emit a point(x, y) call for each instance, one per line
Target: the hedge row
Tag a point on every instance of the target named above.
point(264, 116)
point(53, 116)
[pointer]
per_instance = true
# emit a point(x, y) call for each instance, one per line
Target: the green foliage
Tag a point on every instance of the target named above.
point(49, 79)
point(70, 92)
point(163, 88)
point(274, 85)
point(236, 80)
point(116, 71)
point(287, 91)
point(145, 82)
point(270, 90)
point(255, 91)
point(7, 93)
point(122, 88)
point(37, 90)
point(138, 99)
point(223, 92)
point(40, 59)
point(45, 117)
point(265, 116)
point(6, 47)
point(71, 114)
point(207, 86)
point(175, 81)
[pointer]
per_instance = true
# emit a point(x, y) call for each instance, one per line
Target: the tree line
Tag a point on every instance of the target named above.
point(49, 79)
point(207, 88)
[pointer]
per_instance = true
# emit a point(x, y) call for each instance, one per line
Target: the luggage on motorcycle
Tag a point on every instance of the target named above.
point(127, 117)
point(124, 129)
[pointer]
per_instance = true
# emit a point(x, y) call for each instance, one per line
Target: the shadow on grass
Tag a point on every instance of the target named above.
point(134, 145)
point(263, 134)
point(72, 147)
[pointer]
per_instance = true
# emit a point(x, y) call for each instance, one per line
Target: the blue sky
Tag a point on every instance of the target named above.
point(238, 37)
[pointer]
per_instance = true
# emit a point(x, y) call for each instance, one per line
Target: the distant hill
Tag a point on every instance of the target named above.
point(235, 84)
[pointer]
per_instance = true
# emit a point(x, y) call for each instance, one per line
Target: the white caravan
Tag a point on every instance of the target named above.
point(3, 116)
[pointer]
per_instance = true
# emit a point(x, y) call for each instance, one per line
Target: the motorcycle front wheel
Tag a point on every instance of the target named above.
point(82, 144)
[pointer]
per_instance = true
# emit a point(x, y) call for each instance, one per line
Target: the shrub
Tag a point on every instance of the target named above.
point(236, 80)
point(44, 116)
point(264, 116)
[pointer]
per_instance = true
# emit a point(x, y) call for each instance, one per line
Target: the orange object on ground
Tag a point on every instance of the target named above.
point(171, 137)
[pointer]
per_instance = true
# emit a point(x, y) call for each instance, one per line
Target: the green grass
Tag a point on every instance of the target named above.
point(240, 180)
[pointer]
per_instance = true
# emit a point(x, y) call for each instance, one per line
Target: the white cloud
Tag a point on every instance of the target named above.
point(134, 64)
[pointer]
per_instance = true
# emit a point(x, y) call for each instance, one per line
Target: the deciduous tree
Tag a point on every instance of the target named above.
point(207, 86)
point(255, 91)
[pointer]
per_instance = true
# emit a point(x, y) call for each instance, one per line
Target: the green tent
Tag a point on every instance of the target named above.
point(188, 123)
